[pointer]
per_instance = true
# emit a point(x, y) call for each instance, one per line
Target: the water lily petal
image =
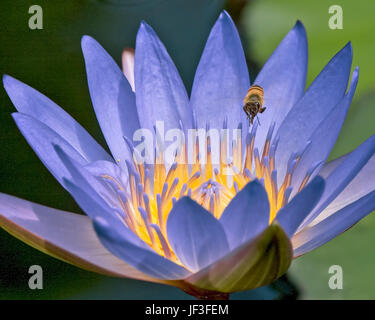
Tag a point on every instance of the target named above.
point(81, 177)
point(321, 97)
point(361, 185)
point(324, 137)
point(31, 102)
point(246, 215)
point(112, 98)
point(42, 139)
point(127, 59)
point(328, 167)
point(128, 247)
point(97, 168)
point(329, 228)
point(221, 80)
point(283, 79)
point(161, 95)
point(109, 170)
point(91, 204)
point(64, 235)
point(291, 216)
point(121, 241)
point(58, 156)
point(353, 177)
point(112, 231)
point(258, 262)
point(195, 235)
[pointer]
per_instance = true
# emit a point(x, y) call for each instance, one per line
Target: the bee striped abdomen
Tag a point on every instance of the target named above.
point(254, 90)
point(253, 102)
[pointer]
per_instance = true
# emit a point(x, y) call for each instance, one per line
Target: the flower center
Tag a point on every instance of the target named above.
point(153, 189)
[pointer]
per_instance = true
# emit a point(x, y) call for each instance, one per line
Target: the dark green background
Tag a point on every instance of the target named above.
point(50, 60)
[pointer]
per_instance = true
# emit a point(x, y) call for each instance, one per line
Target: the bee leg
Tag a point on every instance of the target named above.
point(262, 110)
point(252, 120)
point(258, 120)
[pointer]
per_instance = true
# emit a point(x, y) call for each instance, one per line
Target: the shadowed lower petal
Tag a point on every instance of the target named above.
point(246, 215)
point(291, 216)
point(130, 248)
point(121, 241)
point(196, 237)
point(256, 263)
point(66, 236)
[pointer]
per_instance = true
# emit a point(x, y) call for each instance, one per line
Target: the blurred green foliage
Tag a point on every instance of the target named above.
point(266, 22)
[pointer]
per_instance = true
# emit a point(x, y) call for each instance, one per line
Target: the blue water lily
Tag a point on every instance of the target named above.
point(209, 229)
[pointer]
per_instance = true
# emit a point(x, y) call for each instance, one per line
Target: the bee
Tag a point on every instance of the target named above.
point(253, 102)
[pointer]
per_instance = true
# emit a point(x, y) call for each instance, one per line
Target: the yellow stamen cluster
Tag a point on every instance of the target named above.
point(153, 189)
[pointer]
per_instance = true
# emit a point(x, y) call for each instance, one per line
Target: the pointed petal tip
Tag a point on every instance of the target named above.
point(17, 116)
point(346, 51)
point(87, 41)
point(299, 32)
point(128, 51)
point(299, 23)
point(7, 79)
point(257, 181)
point(225, 17)
point(145, 31)
point(355, 74)
point(14, 115)
point(184, 201)
point(9, 82)
point(300, 26)
point(348, 47)
point(224, 14)
point(144, 26)
point(353, 83)
point(254, 183)
point(180, 204)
